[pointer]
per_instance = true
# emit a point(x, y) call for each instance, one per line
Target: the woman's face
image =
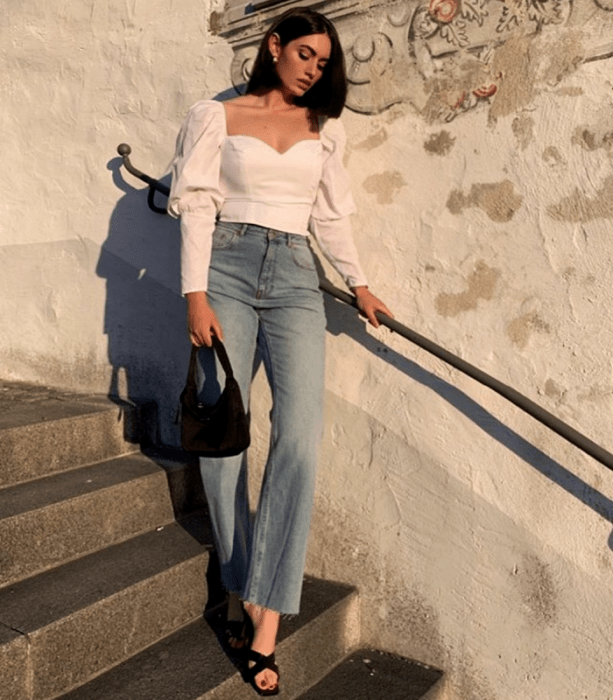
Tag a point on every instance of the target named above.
point(301, 62)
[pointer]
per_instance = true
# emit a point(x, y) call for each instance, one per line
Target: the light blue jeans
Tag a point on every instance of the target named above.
point(264, 288)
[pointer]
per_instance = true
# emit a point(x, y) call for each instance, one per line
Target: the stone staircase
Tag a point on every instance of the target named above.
point(106, 567)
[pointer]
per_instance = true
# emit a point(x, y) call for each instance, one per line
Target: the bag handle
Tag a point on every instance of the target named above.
point(219, 347)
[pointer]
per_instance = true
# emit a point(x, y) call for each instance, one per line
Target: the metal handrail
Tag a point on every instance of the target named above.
point(524, 403)
point(154, 185)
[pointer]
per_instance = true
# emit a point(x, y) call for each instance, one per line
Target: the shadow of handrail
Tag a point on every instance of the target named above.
point(533, 409)
point(346, 323)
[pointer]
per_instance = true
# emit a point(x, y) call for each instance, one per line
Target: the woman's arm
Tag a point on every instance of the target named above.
point(330, 223)
point(196, 198)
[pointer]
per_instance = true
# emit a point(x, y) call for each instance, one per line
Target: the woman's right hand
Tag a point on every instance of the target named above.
point(202, 323)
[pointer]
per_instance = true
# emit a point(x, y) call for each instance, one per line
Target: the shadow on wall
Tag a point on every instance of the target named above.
point(144, 318)
point(145, 314)
point(343, 320)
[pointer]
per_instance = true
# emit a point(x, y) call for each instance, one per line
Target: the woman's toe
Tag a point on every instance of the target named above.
point(266, 680)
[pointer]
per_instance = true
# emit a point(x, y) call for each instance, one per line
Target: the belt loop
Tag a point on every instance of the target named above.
point(243, 230)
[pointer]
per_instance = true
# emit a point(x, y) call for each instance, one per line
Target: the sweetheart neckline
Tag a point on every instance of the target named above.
point(279, 153)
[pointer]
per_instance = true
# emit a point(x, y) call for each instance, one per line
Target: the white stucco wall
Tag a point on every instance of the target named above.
point(88, 276)
point(480, 541)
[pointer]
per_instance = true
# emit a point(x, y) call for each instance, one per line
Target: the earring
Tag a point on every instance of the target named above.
point(275, 59)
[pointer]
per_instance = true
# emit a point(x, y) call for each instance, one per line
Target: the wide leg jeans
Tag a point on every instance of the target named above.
point(263, 287)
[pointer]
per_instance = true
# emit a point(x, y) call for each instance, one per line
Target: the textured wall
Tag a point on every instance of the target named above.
point(88, 276)
point(481, 542)
point(488, 230)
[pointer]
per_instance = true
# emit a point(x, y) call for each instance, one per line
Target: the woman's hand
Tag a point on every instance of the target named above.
point(202, 323)
point(368, 304)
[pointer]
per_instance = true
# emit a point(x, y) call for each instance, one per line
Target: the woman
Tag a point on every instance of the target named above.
point(251, 178)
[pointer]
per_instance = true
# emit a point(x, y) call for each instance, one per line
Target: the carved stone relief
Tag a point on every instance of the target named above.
point(242, 63)
point(438, 55)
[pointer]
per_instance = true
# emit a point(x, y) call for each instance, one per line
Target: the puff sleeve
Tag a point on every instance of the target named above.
point(329, 222)
point(195, 193)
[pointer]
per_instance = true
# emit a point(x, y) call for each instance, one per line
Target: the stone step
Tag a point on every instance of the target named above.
point(45, 431)
point(368, 673)
point(184, 480)
point(63, 627)
point(192, 665)
point(49, 521)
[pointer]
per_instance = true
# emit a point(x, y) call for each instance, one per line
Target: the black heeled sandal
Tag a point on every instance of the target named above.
point(240, 632)
point(261, 664)
point(237, 634)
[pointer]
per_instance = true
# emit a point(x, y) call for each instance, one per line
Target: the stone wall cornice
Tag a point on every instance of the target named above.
point(443, 57)
point(243, 30)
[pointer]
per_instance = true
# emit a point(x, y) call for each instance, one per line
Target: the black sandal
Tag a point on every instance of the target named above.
point(237, 633)
point(261, 664)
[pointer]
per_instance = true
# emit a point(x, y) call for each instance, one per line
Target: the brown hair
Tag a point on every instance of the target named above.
point(327, 97)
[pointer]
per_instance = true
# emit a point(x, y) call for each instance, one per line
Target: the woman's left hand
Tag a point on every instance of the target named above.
point(369, 304)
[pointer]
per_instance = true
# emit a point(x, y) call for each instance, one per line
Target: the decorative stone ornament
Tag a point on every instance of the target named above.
point(437, 55)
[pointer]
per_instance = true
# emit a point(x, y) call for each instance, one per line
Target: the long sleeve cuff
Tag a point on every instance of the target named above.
point(196, 243)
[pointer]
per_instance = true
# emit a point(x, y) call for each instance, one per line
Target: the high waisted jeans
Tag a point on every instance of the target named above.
point(263, 287)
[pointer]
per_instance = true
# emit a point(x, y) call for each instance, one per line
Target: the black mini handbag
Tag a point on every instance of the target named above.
point(218, 430)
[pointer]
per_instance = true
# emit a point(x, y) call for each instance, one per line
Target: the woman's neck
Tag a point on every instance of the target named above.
point(275, 100)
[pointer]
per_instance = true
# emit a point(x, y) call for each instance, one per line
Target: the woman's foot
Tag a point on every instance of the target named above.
point(237, 626)
point(265, 626)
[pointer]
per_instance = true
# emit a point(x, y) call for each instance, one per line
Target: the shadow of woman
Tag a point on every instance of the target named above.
point(144, 317)
point(144, 320)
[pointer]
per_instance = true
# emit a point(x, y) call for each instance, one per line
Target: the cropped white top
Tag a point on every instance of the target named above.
point(241, 178)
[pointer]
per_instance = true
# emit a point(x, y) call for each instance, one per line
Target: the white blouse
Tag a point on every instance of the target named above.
point(243, 179)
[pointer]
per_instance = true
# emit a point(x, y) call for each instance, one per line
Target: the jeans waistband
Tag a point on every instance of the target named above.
point(269, 233)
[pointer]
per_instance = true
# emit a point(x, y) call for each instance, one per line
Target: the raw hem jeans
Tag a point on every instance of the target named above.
point(263, 287)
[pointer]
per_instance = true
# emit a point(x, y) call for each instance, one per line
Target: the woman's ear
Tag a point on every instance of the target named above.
point(274, 46)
